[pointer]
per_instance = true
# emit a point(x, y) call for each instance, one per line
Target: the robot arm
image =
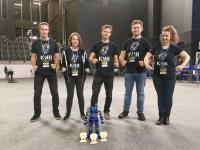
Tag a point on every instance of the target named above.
point(101, 117)
point(86, 118)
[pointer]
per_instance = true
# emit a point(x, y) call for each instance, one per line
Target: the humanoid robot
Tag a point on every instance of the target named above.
point(91, 120)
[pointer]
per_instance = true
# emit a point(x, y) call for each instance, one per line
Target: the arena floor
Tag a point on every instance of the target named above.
point(17, 133)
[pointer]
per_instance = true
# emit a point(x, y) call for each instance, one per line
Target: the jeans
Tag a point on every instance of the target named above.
point(130, 79)
point(164, 88)
point(96, 87)
point(38, 85)
point(71, 82)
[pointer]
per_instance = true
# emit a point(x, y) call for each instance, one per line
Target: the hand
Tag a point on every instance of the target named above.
point(141, 63)
point(53, 66)
point(94, 61)
point(149, 67)
point(87, 70)
point(179, 68)
point(34, 68)
point(124, 63)
point(63, 69)
point(116, 65)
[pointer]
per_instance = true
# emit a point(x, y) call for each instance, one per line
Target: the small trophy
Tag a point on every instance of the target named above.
point(83, 136)
point(103, 136)
point(93, 138)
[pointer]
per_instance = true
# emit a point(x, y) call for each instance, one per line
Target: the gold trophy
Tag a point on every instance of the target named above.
point(103, 136)
point(93, 138)
point(83, 136)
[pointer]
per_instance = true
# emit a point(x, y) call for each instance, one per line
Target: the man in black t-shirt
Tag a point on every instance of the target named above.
point(105, 56)
point(44, 59)
point(132, 57)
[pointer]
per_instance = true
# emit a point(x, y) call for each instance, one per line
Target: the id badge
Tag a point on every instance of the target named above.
point(131, 58)
point(163, 69)
point(45, 64)
point(104, 63)
point(74, 72)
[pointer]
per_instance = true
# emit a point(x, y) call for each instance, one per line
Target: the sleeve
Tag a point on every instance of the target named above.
point(86, 61)
point(177, 51)
point(124, 46)
point(116, 50)
point(152, 50)
point(63, 59)
point(148, 45)
point(93, 49)
point(33, 49)
point(56, 47)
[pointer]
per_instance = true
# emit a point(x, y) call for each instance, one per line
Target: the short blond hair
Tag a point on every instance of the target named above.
point(106, 26)
point(137, 22)
point(43, 23)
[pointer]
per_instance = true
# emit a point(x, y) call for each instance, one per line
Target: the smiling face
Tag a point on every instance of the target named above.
point(165, 37)
point(136, 29)
point(106, 33)
point(44, 31)
point(75, 41)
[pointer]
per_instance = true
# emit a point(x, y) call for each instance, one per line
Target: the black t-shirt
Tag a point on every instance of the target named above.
point(136, 50)
point(165, 60)
point(105, 54)
point(77, 62)
point(45, 51)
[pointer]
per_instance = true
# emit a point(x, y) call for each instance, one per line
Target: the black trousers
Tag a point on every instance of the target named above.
point(38, 85)
point(71, 82)
point(165, 89)
point(96, 87)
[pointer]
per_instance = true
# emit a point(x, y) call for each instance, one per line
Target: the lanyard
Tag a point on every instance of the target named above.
point(135, 46)
point(45, 47)
point(163, 54)
point(74, 56)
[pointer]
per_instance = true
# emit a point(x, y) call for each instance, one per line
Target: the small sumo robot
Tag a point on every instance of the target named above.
point(91, 123)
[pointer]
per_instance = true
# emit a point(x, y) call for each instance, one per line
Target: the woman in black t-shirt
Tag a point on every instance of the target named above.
point(74, 65)
point(164, 71)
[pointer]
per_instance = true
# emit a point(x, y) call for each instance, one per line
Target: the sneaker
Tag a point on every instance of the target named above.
point(160, 121)
point(123, 114)
point(67, 116)
point(141, 116)
point(35, 118)
point(82, 116)
point(57, 116)
point(107, 115)
point(166, 121)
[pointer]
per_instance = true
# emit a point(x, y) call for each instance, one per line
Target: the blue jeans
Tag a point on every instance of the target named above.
point(130, 79)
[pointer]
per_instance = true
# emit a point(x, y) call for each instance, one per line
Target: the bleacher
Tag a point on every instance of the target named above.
point(18, 50)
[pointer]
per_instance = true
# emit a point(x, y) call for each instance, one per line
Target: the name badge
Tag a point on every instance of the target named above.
point(74, 71)
point(104, 63)
point(45, 64)
point(163, 69)
point(131, 58)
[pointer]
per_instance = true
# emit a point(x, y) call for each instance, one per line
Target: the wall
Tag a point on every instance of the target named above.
point(179, 14)
point(91, 15)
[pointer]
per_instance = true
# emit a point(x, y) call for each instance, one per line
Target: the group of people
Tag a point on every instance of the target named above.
point(137, 56)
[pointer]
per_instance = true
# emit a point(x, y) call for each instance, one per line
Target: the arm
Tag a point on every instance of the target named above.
point(116, 61)
point(92, 58)
point(147, 61)
point(63, 61)
point(56, 60)
point(122, 58)
point(33, 62)
point(86, 66)
point(185, 57)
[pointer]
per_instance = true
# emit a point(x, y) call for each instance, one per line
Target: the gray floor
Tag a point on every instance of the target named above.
point(17, 133)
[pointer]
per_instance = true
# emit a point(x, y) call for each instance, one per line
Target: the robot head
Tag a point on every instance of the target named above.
point(93, 109)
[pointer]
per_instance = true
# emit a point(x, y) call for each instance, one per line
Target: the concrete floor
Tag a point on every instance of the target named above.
point(17, 133)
